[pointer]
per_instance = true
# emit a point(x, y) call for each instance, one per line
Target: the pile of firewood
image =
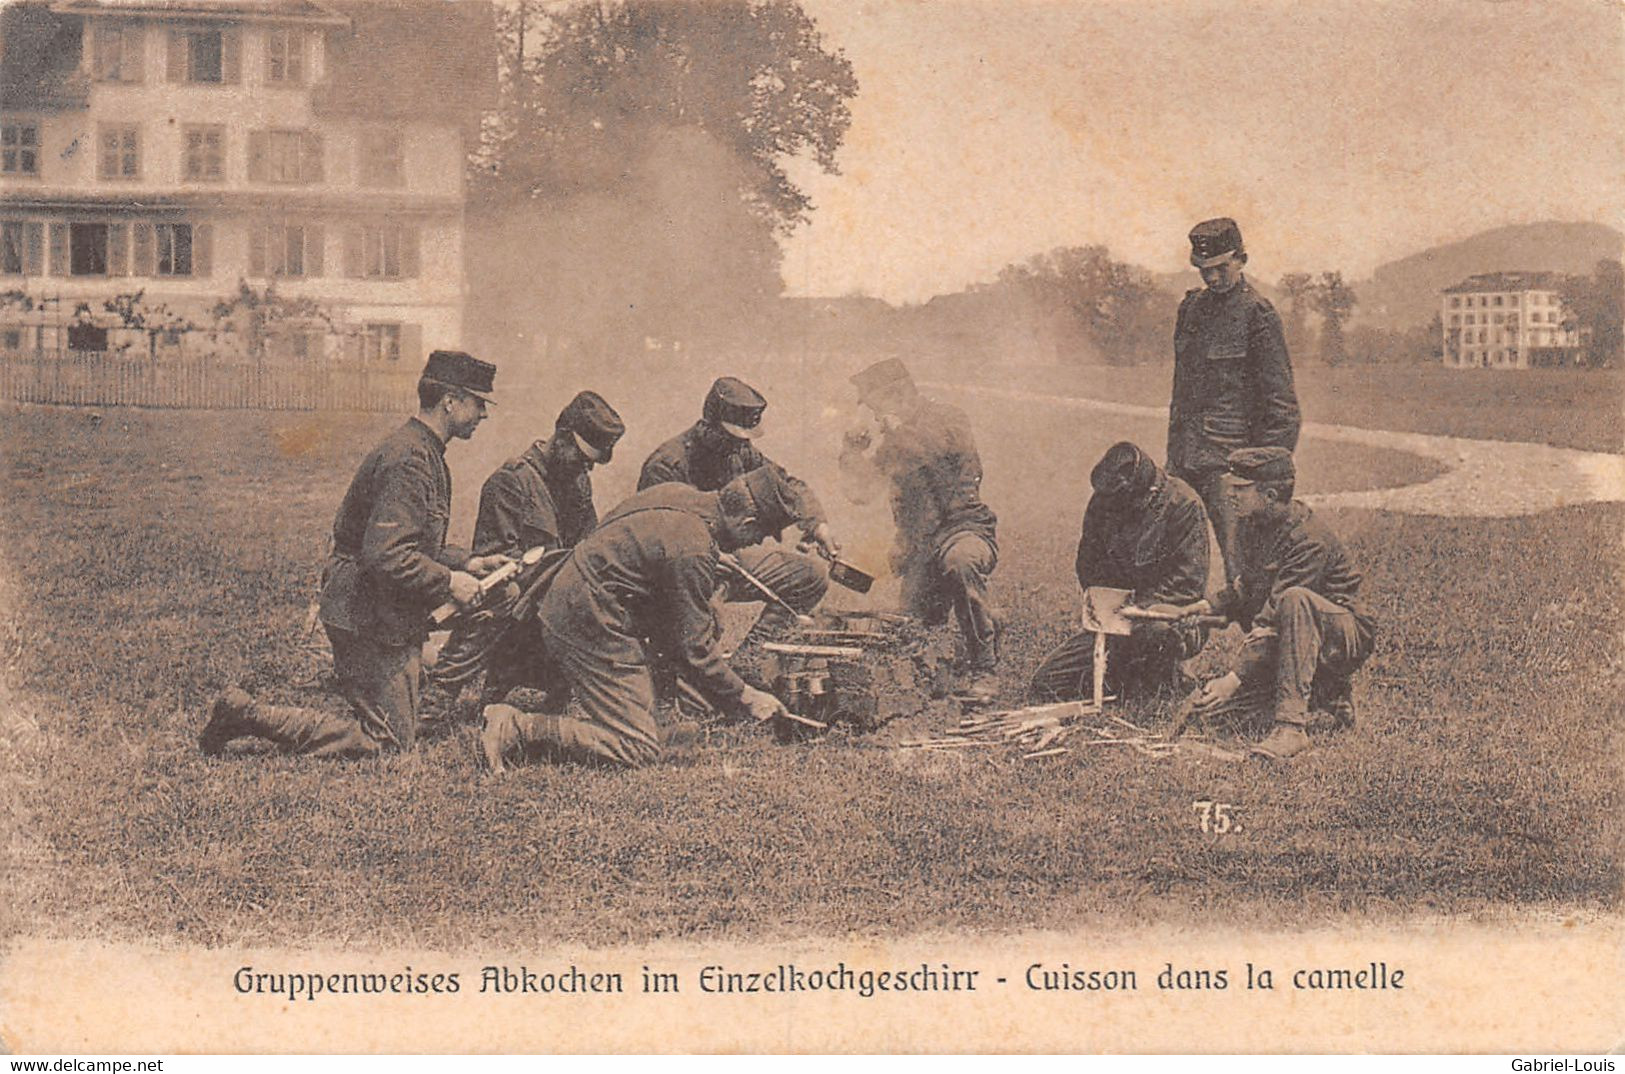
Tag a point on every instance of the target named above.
point(1046, 731)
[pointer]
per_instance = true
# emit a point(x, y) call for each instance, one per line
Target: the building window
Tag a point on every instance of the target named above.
point(19, 148)
point(120, 156)
point(204, 57)
point(118, 54)
point(11, 247)
point(285, 249)
point(1455, 319)
point(381, 158)
point(87, 249)
point(1513, 300)
point(285, 156)
point(86, 337)
point(382, 251)
point(172, 249)
point(1455, 302)
point(381, 342)
point(205, 153)
point(285, 57)
point(1497, 300)
point(1499, 318)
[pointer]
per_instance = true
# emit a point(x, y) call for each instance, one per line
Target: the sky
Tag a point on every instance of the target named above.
point(1339, 135)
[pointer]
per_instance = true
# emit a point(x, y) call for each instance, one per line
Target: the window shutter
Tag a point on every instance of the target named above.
point(143, 251)
point(411, 344)
point(118, 249)
point(256, 249)
point(257, 146)
point(59, 249)
point(311, 167)
point(315, 242)
point(34, 248)
point(177, 56)
point(203, 250)
point(101, 60)
point(409, 251)
point(352, 252)
point(231, 57)
point(135, 54)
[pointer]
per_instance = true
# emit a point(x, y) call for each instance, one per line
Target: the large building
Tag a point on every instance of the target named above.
point(202, 152)
point(1507, 320)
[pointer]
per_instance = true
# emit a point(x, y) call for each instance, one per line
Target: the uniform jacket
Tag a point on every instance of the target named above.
point(707, 458)
point(390, 565)
point(526, 503)
point(648, 572)
point(1295, 550)
point(1160, 551)
point(1232, 380)
point(935, 474)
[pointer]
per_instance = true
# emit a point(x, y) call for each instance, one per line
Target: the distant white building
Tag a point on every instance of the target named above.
point(183, 148)
point(1507, 320)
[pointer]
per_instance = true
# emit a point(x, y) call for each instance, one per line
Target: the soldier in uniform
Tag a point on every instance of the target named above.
point(1146, 532)
point(1232, 376)
point(1298, 595)
point(644, 580)
point(945, 547)
point(389, 568)
point(541, 498)
point(720, 447)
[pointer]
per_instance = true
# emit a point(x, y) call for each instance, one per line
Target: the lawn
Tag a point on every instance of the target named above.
point(151, 557)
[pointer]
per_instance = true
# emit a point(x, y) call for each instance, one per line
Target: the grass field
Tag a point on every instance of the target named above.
point(153, 557)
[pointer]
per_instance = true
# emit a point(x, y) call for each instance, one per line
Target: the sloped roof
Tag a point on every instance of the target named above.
point(1507, 281)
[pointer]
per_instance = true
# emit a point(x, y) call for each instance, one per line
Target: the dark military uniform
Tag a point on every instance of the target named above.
point(1232, 389)
point(1300, 594)
point(644, 579)
point(525, 503)
point(1159, 551)
point(946, 545)
point(706, 457)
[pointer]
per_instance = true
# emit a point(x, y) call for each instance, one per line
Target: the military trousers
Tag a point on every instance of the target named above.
point(1141, 662)
point(954, 576)
point(1214, 490)
point(802, 580)
point(617, 702)
point(1314, 640)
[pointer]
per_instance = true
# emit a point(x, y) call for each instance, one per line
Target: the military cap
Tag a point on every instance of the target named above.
point(884, 375)
point(1214, 241)
point(594, 424)
point(736, 406)
point(774, 503)
point(458, 369)
point(1124, 470)
point(1262, 464)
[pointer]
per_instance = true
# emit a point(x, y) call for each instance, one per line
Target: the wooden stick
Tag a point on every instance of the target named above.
point(1056, 752)
point(1100, 669)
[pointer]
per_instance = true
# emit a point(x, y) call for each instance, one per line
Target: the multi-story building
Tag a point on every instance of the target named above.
point(204, 152)
point(1507, 320)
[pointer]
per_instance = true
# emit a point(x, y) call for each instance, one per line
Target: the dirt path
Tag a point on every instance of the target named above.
point(1484, 479)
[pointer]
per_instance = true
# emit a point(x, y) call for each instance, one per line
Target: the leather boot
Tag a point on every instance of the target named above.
point(227, 721)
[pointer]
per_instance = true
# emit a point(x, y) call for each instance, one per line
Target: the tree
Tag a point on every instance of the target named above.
point(258, 315)
point(1334, 300)
point(1298, 287)
point(1117, 308)
point(1592, 305)
point(154, 319)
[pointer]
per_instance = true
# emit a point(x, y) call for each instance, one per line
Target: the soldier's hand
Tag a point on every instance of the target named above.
point(1217, 691)
point(1165, 611)
point(480, 566)
point(465, 588)
point(823, 541)
point(761, 705)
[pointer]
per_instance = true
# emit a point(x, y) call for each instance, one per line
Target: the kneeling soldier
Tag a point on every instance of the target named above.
point(389, 569)
point(643, 580)
point(1146, 532)
point(1299, 596)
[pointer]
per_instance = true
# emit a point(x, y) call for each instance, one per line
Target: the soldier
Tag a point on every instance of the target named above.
point(542, 498)
point(643, 580)
point(1298, 595)
point(715, 450)
point(1145, 532)
point(389, 568)
point(1232, 377)
point(945, 547)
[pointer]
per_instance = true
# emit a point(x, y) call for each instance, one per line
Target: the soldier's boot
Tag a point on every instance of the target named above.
point(500, 741)
point(983, 657)
point(1340, 705)
point(227, 721)
point(1289, 737)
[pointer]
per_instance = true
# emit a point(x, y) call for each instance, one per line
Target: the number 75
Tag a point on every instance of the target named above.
point(1215, 816)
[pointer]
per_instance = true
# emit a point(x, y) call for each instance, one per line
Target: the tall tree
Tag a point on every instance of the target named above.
point(1298, 287)
point(1595, 306)
point(1116, 307)
point(1334, 300)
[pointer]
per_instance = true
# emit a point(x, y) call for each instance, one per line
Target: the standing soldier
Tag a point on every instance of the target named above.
point(1145, 532)
point(1298, 595)
point(542, 498)
point(945, 547)
point(643, 581)
point(1232, 377)
point(389, 568)
point(720, 447)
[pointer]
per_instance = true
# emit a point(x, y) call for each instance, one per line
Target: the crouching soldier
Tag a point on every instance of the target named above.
point(945, 548)
point(642, 582)
point(1298, 595)
point(542, 498)
point(722, 446)
point(1146, 532)
point(389, 569)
